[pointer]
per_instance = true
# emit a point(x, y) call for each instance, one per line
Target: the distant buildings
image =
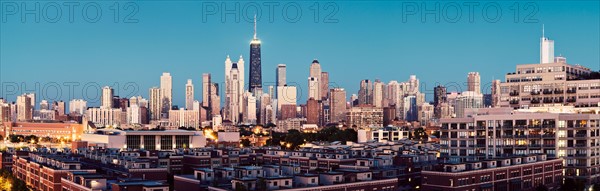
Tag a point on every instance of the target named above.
point(255, 72)
point(364, 116)
point(189, 95)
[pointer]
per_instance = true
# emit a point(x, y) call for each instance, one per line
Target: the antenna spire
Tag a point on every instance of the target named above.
point(255, 26)
point(543, 31)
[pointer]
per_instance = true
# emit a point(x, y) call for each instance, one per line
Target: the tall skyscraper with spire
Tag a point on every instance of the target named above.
point(255, 78)
point(546, 49)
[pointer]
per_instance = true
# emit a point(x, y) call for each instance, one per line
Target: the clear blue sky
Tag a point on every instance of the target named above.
point(366, 40)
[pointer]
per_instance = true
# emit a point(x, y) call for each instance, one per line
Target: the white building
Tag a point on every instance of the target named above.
point(184, 118)
point(382, 134)
point(467, 99)
point(106, 116)
point(148, 140)
point(107, 97)
point(77, 106)
point(286, 95)
point(189, 95)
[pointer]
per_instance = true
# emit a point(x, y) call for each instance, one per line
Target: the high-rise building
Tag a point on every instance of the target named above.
point(364, 116)
point(378, 94)
point(467, 100)
point(249, 112)
point(286, 96)
point(206, 87)
point(255, 77)
point(280, 74)
point(107, 97)
point(24, 108)
point(337, 105)
point(166, 88)
point(474, 82)
point(495, 93)
point(312, 111)
point(546, 49)
point(439, 95)
point(234, 93)
point(44, 105)
point(410, 110)
point(77, 106)
point(215, 100)
point(324, 82)
point(60, 107)
point(314, 81)
point(155, 103)
point(189, 95)
point(365, 93)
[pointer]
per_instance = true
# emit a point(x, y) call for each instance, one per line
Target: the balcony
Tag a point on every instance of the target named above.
point(558, 91)
point(580, 145)
point(572, 91)
point(549, 136)
point(560, 100)
point(581, 155)
point(514, 102)
point(520, 146)
point(580, 135)
point(520, 136)
point(535, 93)
point(481, 145)
point(549, 145)
point(571, 100)
point(514, 93)
point(535, 136)
point(535, 145)
point(547, 92)
point(547, 100)
point(535, 101)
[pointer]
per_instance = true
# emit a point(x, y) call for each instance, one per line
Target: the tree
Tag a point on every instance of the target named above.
point(245, 142)
point(420, 134)
point(240, 187)
point(294, 138)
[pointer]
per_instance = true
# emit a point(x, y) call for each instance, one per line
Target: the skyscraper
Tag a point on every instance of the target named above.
point(206, 86)
point(546, 49)
point(280, 75)
point(255, 63)
point(215, 100)
point(439, 95)
point(495, 93)
point(155, 103)
point(166, 88)
point(324, 81)
point(107, 97)
point(24, 108)
point(44, 105)
point(77, 106)
point(365, 93)
point(189, 95)
point(474, 82)
point(378, 94)
point(234, 89)
point(314, 81)
point(337, 104)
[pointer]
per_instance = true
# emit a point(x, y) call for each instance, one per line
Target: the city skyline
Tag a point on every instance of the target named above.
point(527, 35)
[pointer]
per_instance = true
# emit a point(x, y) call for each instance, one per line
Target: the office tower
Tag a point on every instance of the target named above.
point(314, 81)
point(280, 74)
point(24, 108)
point(189, 95)
point(60, 108)
point(215, 100)
point(337, 105)
point(206, 87)
point(410, 110)
point(44, 105)
point(495, 93)
point(77, 106)
point(324, 82)
point(364, 116)
point(166, 88)
point(467, 100)
point(426, 113)
point(255, 63)
point(286, 96)
point(184, 118)
point(365, 93)
point(546, 49)
point(5, 114)
point(155, 103)
point(233, 99)
point(265, 104)
point(378, 94)
point(32, 97)
point(312, 111)
point(353, 100)
point(439, 95)
point(474, 82)
point(389, 114)
point(413, 85)
point(107, 97)
point(249, 112)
